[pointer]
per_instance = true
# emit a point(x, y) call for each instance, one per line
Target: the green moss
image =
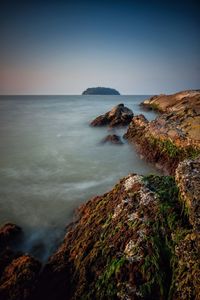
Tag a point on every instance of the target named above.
point(160, 264)
point(99, 269)
point(154, 106)
point(166, 146)
point(156, 268)
point(173, 151)
point(106, 284)
point(164, 186)
point(193, 152)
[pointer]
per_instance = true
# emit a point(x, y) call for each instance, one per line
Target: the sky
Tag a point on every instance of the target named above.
point(64, 47)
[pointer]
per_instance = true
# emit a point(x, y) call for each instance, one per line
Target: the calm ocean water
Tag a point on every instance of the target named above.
point(51, 161)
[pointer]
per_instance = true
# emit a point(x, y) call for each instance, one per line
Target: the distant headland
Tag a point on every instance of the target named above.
point(100, 91)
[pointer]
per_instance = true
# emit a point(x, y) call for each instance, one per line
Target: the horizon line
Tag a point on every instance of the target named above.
point(72, 95)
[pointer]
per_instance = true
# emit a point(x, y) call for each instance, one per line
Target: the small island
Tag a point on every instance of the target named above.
point(100, 91)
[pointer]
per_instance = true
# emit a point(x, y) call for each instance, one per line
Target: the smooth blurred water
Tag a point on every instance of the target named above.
point(51, 161)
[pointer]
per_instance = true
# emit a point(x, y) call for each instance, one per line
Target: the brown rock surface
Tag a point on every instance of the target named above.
point(19, 278)
point(120, 115)
point(133, 242)
point(187, 250)
point(188, 181)
point(8, 233)
point(175, 102)
point(172, 136)
point(130, 243)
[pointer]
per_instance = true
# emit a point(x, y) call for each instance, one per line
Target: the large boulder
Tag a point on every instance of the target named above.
point(120, 115)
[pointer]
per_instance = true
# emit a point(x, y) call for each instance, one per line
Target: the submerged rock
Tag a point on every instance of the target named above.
point(112, 139)
point(120, 115)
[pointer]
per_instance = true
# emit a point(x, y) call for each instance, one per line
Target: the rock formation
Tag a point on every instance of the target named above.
point(8, 233)
point(133, 242)
point(175, 102)
point(100, 91)
point(18, 272)
point(112, 139)
point(188, 181)
point(120, 115)
point(19, 278)
point(171, 137)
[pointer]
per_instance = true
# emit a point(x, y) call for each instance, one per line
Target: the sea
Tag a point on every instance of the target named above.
point(52, 161)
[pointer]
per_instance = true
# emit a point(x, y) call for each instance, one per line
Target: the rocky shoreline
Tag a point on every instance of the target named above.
point(174, 135)
point(138, 241)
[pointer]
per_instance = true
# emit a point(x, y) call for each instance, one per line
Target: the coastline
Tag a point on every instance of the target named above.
point(135, 240)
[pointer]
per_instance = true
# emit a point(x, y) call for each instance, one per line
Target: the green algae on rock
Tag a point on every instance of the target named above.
point(137, 241)
point(127, 244)
point(165, 141)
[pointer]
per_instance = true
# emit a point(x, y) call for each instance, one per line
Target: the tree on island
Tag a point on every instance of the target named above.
point(100, 91)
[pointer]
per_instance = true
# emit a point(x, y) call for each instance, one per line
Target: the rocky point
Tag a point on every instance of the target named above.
point(174, 135)
point(120, 115)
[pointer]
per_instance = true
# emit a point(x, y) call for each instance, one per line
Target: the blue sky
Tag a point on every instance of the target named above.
point(63, 47)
